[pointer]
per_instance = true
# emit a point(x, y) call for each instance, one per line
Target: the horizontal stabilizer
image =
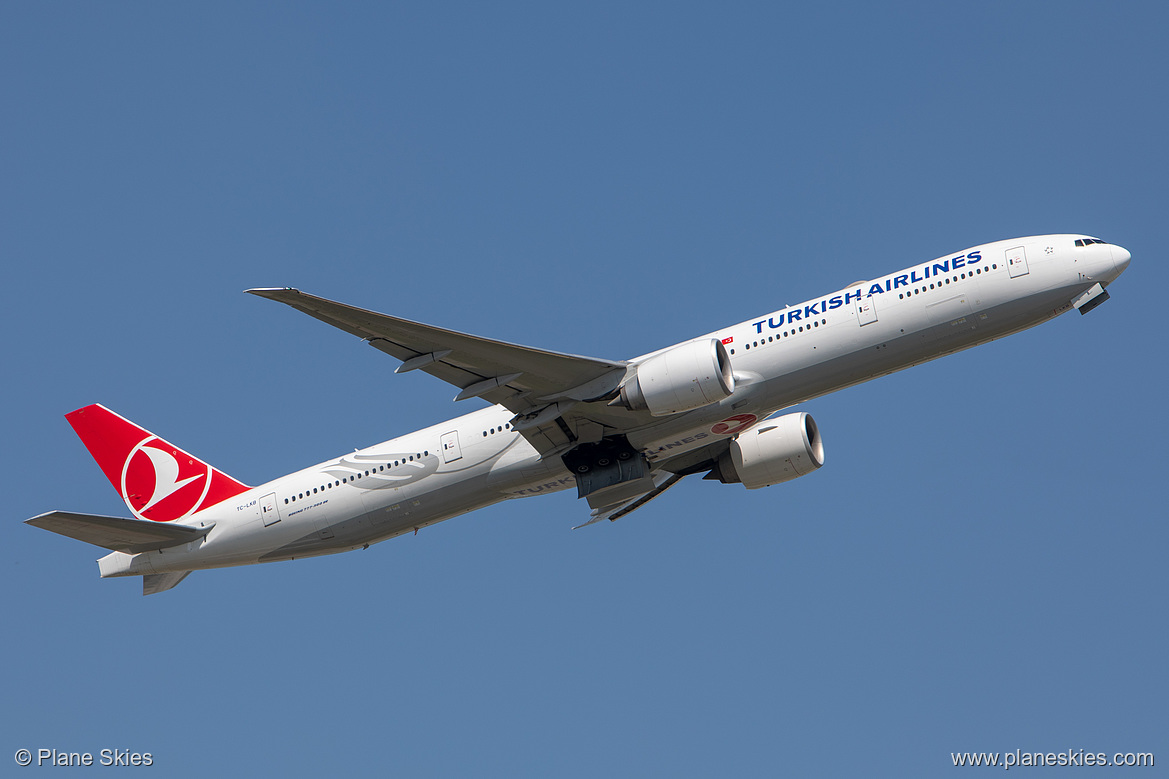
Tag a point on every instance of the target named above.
point(161, 582)
point(121, 535)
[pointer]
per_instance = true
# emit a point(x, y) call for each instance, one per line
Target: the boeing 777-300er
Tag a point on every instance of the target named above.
point(621, 431)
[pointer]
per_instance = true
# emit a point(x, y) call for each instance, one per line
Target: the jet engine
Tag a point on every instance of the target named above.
point(686, 377)
point(773, 452)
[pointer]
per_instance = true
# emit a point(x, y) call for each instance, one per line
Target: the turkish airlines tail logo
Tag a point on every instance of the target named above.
point(158, 481)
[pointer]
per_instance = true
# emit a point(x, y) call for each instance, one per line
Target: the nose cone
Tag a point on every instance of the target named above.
point(1120, 258)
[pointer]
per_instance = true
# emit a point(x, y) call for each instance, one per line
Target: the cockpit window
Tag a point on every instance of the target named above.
point(1088, 241)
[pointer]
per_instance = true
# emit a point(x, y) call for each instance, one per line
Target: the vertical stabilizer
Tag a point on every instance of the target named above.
point(158, 481)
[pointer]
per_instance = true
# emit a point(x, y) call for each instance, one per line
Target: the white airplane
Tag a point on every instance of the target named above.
point(621, 432)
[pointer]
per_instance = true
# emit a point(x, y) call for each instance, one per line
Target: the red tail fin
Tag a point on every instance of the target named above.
point(157, 480)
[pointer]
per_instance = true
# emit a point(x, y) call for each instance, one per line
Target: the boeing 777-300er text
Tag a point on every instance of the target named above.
point(621, 431)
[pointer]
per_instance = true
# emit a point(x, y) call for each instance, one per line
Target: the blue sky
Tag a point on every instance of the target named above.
point(980, 566)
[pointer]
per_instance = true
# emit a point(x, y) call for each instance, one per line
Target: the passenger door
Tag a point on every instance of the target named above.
point(268, 511)
point(1017, 261)
point(450, 447)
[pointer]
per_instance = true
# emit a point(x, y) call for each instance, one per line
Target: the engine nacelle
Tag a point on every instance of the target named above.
point(684, 378)
point(776, 451)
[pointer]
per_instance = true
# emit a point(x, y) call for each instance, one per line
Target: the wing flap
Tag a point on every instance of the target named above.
point(153, 583)
point(662, 481)
point(121, 535)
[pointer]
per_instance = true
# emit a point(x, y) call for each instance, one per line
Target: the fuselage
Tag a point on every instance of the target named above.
point(791, 355)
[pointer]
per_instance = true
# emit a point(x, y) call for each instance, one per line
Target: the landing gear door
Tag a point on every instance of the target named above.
point(1017, 261)
point(268, 511)
point(866, 313)
point(450, 447)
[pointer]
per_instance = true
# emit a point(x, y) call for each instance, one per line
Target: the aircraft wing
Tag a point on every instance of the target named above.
point(116, 533)
point(539, 386)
